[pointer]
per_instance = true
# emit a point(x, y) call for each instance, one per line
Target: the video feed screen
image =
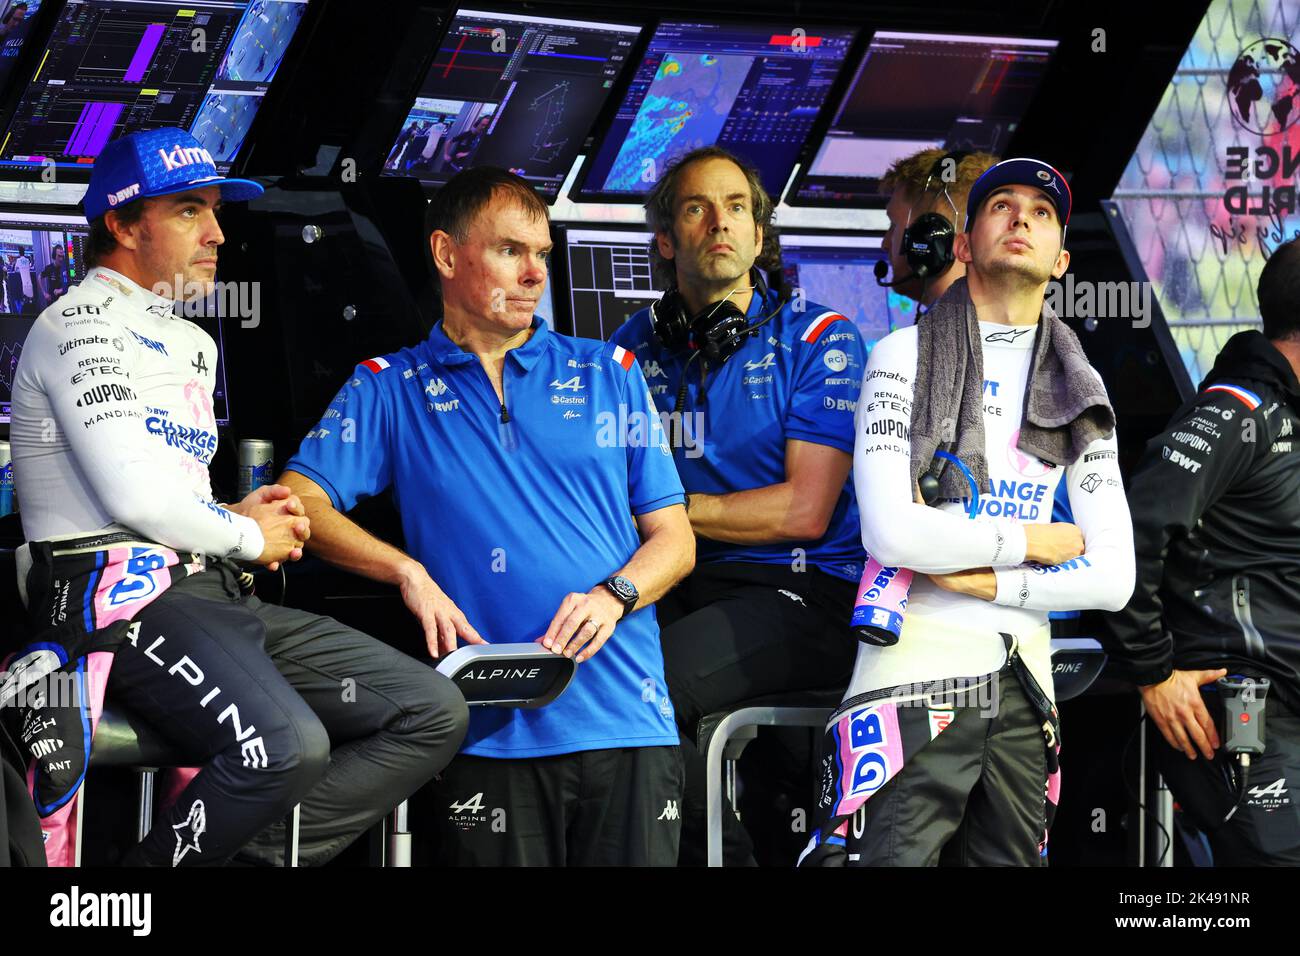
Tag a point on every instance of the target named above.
point(116, 66)
point(754, 89)
point(837, 271)
point(913, 91)
point(511, 90)
point(42, 256)
point(609, 278)
point(16, 19)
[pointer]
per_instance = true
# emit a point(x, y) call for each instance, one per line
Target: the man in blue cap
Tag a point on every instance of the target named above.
point(112, 435)
point(945, 749)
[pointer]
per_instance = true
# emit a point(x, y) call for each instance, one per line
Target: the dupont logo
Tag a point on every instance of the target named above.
point(180, 157)
point(122, 195)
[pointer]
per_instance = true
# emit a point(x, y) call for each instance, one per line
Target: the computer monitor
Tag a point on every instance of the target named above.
point(608, 277)
point(16, 19)
point(117, 66)
point(837, 271)
point(752, 88)
point(511, 90)
point(31, 277)
point(918, 90)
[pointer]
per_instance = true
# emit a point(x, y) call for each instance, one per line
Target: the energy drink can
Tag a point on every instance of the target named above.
point(882, 599)
point(256, 464)
point(6, 478)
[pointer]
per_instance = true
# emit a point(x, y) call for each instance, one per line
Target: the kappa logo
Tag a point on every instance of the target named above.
point(653, 370)
point(180, 157)
point(188, 832)
point(572, 385)
point(670, 812)
point(1286, 428)
point(767, 361)
point(1010, 335)
point(435, 388)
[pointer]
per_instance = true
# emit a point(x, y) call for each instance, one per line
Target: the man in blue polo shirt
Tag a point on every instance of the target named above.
point(760, 386)
point(539, 503)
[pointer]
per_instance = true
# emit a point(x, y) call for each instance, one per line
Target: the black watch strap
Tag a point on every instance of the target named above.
point(625, 591)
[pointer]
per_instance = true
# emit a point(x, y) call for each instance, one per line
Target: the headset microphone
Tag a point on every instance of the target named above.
point(882, 270)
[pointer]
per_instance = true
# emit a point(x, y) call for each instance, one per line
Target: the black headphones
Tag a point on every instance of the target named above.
point(927, 242)
point(716, 332)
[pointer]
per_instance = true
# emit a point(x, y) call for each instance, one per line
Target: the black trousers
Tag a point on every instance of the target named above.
point(1265, 829)
point(731, 632)
point(279, 707)
point(615, 807)
point(974, 796)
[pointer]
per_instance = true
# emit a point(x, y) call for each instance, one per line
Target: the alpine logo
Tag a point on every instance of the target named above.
point(1270, 797)
point(473, 805)
point(670, 811)
point(572, 385)
point(180, 157)
point(767, 361)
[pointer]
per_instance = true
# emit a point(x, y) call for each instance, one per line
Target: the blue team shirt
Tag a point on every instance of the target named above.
point(798, 378)
point(509, 517)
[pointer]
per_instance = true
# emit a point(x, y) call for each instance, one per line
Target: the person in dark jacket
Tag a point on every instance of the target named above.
point(1215, 502)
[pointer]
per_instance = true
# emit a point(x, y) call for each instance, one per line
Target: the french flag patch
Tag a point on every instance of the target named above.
point(624, 358)
point(819, 325)
point(376, 365)
point(1247, 397)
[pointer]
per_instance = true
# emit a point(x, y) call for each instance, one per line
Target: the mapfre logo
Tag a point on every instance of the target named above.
point(572, 385)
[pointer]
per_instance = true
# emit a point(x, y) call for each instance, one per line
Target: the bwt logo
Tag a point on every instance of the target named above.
point(180, 157)
point(122, 195)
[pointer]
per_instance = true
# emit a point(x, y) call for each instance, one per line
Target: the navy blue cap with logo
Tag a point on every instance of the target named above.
point(156, 162)
point(1021, 171)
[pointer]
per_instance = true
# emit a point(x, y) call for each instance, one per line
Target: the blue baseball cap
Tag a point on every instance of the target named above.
point(156, 162)
point(1021, 171)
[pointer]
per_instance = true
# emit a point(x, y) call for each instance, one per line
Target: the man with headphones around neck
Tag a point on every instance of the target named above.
point(926, 191)
point(764, 384)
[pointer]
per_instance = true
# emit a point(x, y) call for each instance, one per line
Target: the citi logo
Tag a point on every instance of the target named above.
point(184, 156)
point(767, 361)
point(571, 385)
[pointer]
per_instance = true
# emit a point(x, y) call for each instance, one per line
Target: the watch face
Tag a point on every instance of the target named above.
point(624, 588)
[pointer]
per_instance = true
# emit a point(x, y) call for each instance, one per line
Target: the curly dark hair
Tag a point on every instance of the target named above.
point(661, 208)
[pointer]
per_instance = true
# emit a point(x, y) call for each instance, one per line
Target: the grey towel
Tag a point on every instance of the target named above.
point(1065, 404)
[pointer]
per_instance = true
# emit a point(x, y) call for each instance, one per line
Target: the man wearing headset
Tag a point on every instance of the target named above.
point(764, 384)
point(925, 191)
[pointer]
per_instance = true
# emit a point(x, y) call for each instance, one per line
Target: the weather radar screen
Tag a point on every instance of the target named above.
point(113, 67)
point(754, 89)
point(510, 90)
point(914, 91)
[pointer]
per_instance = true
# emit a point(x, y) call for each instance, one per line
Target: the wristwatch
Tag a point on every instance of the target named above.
point(625, 591)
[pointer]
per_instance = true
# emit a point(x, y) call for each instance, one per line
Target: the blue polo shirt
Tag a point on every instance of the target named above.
point(798, 378)
point(510, 516)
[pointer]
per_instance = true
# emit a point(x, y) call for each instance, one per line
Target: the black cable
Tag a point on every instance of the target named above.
point(1123, 759)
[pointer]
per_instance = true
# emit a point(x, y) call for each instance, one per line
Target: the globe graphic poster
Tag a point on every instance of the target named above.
point(1264, 86)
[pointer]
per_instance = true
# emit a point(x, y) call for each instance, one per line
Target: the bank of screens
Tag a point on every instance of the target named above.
point(609, 277)
point(116, 66)
point(510, 90)
point(917, 90)
point(754, 89)
point(41, 257)
point(837, 271)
